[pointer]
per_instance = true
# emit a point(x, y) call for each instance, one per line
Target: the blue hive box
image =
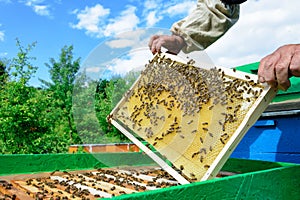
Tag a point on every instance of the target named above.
point(276, 135)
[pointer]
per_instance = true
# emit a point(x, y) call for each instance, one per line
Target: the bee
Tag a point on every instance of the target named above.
point(247, 77)
point(202, 150)
point(201, 140)
point(205, 129)
point(204, 123)
point(190, 122)
point(201, 159)
point(194, 154)
point(249, 91)
point(181, 167)
point(194, 131)
point(53, 172)
point(206, 166)
point(112, 188)
point(109, 118)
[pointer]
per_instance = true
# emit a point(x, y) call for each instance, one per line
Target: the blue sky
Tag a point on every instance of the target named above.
point(85, 24)
point(263, 26)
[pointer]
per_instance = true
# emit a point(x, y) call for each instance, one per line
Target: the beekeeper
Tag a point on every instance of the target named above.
point(211, 20)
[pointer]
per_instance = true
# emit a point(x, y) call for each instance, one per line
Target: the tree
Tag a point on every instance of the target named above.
point(20, 68)
point(108, 94)
point(26, 125)
point(3, 73)
point(63, 73)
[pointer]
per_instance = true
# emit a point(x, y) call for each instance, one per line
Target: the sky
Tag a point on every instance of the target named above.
point(92, 25)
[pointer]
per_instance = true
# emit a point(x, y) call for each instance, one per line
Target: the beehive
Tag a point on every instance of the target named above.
point(194, 117)
point(84, 184)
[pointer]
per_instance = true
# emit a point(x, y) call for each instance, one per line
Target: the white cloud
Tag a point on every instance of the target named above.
point(3, 54)
point(262, 28)
point(152, 4)
point(155, 10)
point(152, 18)
point(32, 2)
point(93, 69)
point(38, 7)
point(127, 21)
point(133, 61)
point(135, 39)
point(120, 43)
point(1, 35)
point(96, 22)
point(181, 8)
point(90, 19)
point(42, 10)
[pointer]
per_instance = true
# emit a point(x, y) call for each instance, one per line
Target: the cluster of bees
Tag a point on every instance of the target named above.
point(93, 184)
point(187, 113)
point(7, 186)
point(89, 184)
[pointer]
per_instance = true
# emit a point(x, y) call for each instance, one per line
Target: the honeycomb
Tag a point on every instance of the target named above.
point(87, 184)
point(84, 184)
point(194, 117)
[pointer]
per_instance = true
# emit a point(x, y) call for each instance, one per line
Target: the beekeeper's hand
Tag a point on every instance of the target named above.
point(173, 43)
point(276, 68)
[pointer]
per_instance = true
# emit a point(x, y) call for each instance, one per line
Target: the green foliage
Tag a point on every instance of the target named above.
point(25, 113)
point(84, 111)
point(26, 121)
point(20, 68)
point(63, 73)
point(42, 120)
point(3, 72)
point(108, 94)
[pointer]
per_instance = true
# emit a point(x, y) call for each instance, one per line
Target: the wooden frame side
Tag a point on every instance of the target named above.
point(253, 114)
point(151, 154)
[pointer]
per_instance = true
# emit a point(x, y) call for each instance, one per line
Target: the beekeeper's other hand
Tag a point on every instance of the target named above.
point(276, 68)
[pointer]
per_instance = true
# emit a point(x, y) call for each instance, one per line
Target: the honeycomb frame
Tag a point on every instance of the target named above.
point(193, 116)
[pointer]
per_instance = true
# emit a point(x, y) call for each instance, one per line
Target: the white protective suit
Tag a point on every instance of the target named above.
point(207, 23)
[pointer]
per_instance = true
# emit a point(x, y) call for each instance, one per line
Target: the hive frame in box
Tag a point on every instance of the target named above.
point(253, 111)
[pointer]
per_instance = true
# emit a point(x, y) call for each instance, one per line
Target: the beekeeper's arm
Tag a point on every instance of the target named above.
point(207, 23)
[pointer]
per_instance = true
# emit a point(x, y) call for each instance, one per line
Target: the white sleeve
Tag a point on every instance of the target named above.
point(207, 23)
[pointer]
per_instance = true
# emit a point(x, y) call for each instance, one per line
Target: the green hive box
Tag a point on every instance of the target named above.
point(256, 179)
